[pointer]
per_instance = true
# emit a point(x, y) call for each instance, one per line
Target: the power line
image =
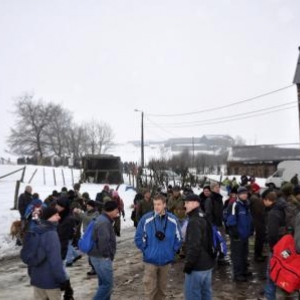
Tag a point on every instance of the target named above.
point(224, 106)
point(266, 110)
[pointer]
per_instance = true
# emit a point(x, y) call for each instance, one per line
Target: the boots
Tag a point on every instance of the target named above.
point(68, 295)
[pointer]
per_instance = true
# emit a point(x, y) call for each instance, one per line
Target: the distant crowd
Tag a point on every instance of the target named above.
point(175, 224)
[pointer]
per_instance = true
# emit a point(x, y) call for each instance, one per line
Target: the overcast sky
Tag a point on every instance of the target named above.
point(103, 59)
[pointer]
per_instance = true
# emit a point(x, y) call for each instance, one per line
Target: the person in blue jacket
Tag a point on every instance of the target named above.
point(48, 278)
point(158, 236)
point(240, 228)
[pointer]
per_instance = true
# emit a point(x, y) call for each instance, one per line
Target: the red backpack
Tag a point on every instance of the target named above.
point(285, 264)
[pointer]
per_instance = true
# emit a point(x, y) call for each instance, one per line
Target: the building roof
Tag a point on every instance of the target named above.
point(297, 73)
point(262, 153)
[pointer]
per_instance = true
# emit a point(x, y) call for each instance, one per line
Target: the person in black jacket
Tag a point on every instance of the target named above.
point(24, 200)
point(65, 230)
point(198, 261)
point(214, 213)
point(275, 230)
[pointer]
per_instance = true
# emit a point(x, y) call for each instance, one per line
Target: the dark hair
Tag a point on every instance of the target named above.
point(271, 195)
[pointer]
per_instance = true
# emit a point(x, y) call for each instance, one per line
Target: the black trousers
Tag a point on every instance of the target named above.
point(239, 256)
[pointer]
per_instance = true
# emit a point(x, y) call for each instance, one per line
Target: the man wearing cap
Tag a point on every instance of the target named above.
point(48, 278)
point(239, 222)
point(158, 237)
point(198, 261)
point(104, 250)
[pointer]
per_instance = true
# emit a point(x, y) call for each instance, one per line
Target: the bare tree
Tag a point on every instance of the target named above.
point(58, 129)
point(98, 137)
point(28, 135)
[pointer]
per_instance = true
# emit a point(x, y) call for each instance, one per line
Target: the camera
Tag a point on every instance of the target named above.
point(160, 235)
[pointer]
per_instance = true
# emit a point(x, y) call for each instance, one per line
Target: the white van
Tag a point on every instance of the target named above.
point(285, 171)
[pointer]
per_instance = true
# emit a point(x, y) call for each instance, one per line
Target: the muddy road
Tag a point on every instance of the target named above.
point(128, 272)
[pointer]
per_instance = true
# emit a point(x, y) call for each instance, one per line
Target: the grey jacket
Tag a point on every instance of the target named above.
point(105, 238)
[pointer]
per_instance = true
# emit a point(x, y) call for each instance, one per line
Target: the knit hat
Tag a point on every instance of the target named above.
point(110, 205)
point(47, 213)
point(63, 202)
point(242, 190)
point(91, 203)
point(192, 197)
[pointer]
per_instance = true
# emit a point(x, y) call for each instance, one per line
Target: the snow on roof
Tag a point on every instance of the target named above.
point(297, 73)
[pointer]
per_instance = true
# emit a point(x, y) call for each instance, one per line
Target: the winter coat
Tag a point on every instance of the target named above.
point(202, 201)
point(239, 220)
point(276, 221)
point(87, 217)
point(143, 207)
point(197, 243)
point(66, 230)
point(105, 238)
point(155, 251)
point(24, 200)
point(214, 209)
point(50, 273)
point(176, 207)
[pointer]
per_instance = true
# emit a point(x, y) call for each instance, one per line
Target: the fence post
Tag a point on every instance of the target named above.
point(72, 176)
point(44, 175)
point(63, 176)
point(54, 177)
point(33, 175)
point(16, 194)
point(23, 174)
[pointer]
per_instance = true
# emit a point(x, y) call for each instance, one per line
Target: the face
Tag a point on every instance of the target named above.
point(114, 214)
point(267, 202)
point(147, 195)
point(190, 205)
point(176, 193)
point(206, 192)
point(55, 218)
point(159, 206)
point(243, 196)
point(89, 207)
point(216, 189)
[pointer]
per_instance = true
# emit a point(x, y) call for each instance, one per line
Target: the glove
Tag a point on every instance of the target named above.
point(64, 285)
point(187, 268)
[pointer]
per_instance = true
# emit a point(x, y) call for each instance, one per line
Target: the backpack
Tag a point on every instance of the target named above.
point(216, 243)
point(86, 242)
point(285, 264)
point(32, 254)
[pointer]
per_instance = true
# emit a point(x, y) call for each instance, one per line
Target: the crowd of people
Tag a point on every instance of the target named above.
point(175, 224)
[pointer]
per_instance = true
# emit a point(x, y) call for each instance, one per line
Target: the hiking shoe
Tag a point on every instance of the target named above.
point(77, 257)
point(91, 273)
point(69, 264)
point(248, 274)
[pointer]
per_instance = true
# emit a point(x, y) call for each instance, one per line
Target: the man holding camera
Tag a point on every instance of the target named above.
point(158, 236)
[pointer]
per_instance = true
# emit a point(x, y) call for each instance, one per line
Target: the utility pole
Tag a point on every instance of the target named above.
point(142, 138)
point(297, 82)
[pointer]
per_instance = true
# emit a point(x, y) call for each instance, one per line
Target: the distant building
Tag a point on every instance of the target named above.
point(258, 161)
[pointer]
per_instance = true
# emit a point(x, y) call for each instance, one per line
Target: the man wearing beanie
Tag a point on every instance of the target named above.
point(48, 278)
point(239, 222)
point(199, 261)
point(104, 250)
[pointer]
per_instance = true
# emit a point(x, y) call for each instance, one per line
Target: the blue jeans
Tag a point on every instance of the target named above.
point(71, 254)
point(197, 285)
point(104, 269)
point(270, 287)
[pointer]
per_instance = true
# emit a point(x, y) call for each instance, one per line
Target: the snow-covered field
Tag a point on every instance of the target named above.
point(7, 191)
point(43, 184)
